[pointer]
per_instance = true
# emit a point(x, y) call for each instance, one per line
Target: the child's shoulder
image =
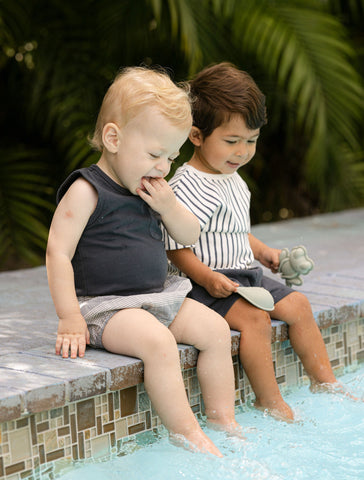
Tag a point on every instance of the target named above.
point(188, 182)
point(186, 174)
point(189, 175)
point(180, 172)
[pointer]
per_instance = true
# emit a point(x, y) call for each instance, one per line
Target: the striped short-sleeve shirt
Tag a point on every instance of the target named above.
point(221, 203)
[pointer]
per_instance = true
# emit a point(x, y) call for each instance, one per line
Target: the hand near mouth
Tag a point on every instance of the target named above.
point(179, 222)
point(157, 194)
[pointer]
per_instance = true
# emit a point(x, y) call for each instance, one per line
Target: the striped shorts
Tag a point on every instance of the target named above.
point(164, 305)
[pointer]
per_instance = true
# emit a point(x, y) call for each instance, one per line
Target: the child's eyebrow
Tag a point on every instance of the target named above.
point(247, 137)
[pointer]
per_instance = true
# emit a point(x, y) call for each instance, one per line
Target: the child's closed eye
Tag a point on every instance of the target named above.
point(156, 156)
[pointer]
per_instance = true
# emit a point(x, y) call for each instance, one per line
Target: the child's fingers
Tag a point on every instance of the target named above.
point(150, 190)
point(229, 284)
point(81, 347)
point(65, 347)
point(73, 346)
point(221, 286)
point(158, 182)
point(59, 345)
point(145, 196)
point(152, 184)
point(231, 288)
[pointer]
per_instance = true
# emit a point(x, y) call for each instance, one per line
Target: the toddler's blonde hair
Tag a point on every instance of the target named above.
point(135, 88)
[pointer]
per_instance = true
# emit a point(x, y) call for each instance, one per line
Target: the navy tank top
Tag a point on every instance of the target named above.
point(121, 251)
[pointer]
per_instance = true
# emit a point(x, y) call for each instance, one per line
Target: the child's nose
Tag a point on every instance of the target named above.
point(242, 150)
point(163, 166)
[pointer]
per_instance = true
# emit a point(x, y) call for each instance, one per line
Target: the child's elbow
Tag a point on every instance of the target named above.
point(187, 231)
point(51, 252)
point(196, 231)
point(191, 233)
point(54, 250)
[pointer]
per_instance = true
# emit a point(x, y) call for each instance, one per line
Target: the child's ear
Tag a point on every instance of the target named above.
point(110, 137)
point(195, 136)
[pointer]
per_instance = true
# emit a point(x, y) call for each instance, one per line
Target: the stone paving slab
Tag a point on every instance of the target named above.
point(337, 289)
point(10, 403)
point(33, 378)
point(82, 381)
point(37, 392)
point(27, 315)
point(335, 241)
point(120, 371)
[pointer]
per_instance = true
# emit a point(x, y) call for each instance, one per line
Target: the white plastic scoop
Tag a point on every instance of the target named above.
point(257, 296)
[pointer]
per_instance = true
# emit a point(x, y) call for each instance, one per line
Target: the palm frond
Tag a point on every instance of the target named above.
point(25, 204)
point(307, 53)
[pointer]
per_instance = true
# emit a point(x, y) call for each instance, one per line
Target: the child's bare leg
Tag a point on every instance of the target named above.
point(137, 333)
point(198, 325)
point(255, 352)
point(305, 337)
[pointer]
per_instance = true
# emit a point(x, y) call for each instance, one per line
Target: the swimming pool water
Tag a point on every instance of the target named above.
point(327, 442)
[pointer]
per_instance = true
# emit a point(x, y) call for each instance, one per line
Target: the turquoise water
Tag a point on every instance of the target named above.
point(327, 442)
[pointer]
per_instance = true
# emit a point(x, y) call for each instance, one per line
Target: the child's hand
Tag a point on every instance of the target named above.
point(72, 335)
point(219, 286)
point(269, 257)
point(179, 222)
point(158, 195)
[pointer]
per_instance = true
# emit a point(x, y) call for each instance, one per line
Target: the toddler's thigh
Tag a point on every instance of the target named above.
point(196, 324)
point(136, 332)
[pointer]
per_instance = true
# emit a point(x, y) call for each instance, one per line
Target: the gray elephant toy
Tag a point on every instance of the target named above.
point(293, 264)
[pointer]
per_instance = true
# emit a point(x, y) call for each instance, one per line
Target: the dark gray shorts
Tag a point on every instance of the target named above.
point(251, 277)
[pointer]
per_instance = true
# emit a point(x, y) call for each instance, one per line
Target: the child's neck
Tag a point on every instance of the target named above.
point(199, 162)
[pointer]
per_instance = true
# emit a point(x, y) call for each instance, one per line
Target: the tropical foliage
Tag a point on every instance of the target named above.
point(58, 57)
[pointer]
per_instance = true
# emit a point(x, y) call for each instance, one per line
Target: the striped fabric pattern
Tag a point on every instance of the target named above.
point(221, 203)
point(164, 305)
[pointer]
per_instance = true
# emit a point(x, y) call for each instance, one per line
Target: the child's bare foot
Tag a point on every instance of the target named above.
point(196, 442)
point(233, 428)
point(281, 411)
point(335, 388)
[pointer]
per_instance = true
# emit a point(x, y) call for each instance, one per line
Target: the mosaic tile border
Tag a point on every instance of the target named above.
point(96, 426)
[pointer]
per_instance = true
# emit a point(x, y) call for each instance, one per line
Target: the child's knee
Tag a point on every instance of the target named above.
point(256, 319)
point(218, 331)
point(301, 303)
point(161, 343)
point(261, 321)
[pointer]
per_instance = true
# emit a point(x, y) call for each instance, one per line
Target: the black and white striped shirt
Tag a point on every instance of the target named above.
point(221, 203)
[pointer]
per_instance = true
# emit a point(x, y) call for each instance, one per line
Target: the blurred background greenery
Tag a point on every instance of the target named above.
point(58, 57)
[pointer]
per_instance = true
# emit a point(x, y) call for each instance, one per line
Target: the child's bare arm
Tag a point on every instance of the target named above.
point(180, 223)
point(267, 256)
point(217, 284)
point(69, 221)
